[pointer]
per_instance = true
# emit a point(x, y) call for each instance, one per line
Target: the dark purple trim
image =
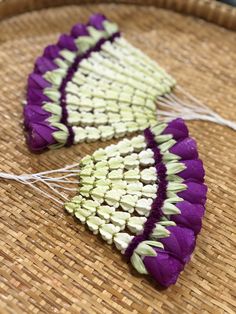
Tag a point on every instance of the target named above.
point(70, 73)
point(64, 112)
point(156, 212)
point(70, 139)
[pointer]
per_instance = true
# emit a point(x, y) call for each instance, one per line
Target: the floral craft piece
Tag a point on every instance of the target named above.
point(91, 85)
point(94, 85)
point(146, 196)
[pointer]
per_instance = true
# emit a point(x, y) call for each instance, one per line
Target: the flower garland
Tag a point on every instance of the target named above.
point(146, 195)
point(91, 85)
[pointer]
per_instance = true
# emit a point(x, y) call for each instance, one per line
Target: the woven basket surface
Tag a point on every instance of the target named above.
point(51, 264)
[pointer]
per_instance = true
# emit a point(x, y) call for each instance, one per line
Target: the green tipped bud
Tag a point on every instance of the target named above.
point(170, 209)
point(55, 77)
point(93, 32)
point(174, 199)
point(53, 119)
point(175, 178)
point(68, 55)
point(145, 250)
point(174, 167)
point(138, 264)
point(167, 223)
point(167, 145)
point(52, 93)
point(154, 243)
point(176, 187)
point(110, 28)
point(163, 138)
point(172, 195)
point(61, 135)
point(84, 43)
point(53, 108)
point(169, 157)
point(160, 232)
point(61, 63)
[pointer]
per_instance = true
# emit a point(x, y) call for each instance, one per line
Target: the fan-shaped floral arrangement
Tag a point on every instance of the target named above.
point(146, 195)
point(91, 85)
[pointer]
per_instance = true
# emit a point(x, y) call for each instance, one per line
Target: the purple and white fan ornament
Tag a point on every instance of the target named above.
point(94, 85)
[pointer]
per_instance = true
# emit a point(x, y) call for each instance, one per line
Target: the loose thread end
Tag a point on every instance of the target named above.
point(42, 182)
point(170, 106)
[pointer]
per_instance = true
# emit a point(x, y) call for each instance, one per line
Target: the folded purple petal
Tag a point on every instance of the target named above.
point(67, 42)
point(36, 97)
point(163, 267)
point(51, 52)
point(177, 128)
point(180, 243)
point(194, 170)
point(186, 149)
point(43, 65)
point(96, 21)
point(190, 216)
point(34, 114)
point(79, 30)
point(40, 136)
point(36, 81)
point(195, 193)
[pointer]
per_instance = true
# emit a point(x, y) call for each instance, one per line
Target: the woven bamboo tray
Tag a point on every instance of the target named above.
point(50, 264)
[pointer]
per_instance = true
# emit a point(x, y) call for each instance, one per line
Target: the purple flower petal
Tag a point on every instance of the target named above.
point(195, 193)
point(36, 85)
point(186, 149)
point(180, 243)
point(79, 30)
point(177, 128)
point(43, 65)
point(36, 81)
point(36, 97)
point(96, 21)
point(33, 114)
point(194, 170)
point(164, 268)
point(190, 216)
point(67, 42)
point(51, 52)
point(31, 102)
point(40, 136)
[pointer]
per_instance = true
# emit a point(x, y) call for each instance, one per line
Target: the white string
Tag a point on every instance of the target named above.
point(170, 106)
point(44, 193)
point(53, 189)
point(61, 170)
point(49, 182)
point(65, 188)
point(40, 190)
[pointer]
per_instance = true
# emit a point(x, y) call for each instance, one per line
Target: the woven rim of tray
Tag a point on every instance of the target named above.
point(51, 264)
point(209, 10)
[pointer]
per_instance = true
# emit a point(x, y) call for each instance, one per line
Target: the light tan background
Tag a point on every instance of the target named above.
point(51, 264)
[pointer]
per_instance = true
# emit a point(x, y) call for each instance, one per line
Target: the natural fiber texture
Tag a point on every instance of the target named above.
point(49, 263)
point(210, 10)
